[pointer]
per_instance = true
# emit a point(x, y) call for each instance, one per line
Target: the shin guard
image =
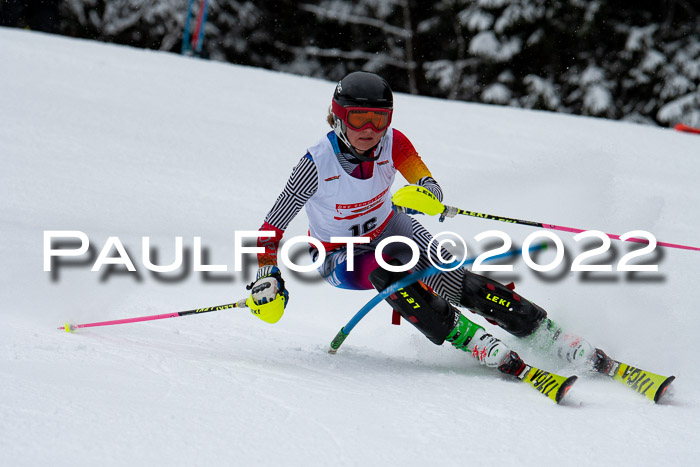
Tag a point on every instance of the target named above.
point(499, 304)
point(431, 314)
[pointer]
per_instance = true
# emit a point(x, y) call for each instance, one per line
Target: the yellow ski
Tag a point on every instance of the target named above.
point(551, 385)
point(644, 382)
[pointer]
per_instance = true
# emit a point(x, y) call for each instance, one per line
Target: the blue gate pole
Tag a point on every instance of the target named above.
point(186, 34)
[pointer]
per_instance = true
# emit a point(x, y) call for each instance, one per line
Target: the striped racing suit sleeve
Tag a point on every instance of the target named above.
point(301, 185)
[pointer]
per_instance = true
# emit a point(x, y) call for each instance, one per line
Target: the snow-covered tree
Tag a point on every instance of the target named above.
point(371, 35)
point(157, 24)
point(623, 59)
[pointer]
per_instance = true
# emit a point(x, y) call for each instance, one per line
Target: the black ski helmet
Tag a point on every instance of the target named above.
point(363, 89)
point(360, 89)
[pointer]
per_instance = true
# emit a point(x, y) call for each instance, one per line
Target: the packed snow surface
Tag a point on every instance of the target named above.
point(117, 142)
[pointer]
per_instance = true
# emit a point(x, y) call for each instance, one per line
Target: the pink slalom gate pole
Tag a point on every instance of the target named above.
point(72, 327)
point(556, 227)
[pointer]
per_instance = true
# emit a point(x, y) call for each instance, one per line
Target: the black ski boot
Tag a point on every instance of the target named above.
point(512, 364)
point(602, 363)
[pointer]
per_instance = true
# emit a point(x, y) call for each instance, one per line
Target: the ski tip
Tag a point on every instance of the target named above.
point(564, 388)
point(549, 384)
point(662, 388)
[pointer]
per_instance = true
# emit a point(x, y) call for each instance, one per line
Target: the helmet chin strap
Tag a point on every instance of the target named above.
point(338, 129)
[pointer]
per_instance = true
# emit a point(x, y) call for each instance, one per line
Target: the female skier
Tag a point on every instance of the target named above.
point(344, 182)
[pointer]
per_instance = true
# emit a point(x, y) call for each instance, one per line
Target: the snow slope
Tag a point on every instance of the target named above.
point(118, 142)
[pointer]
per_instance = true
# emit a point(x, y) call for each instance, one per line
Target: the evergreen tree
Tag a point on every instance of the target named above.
point(633, 60)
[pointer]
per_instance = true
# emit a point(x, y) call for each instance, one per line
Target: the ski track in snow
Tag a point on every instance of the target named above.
point(115, 141)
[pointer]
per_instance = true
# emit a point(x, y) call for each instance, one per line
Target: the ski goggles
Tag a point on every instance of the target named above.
point(359, 118)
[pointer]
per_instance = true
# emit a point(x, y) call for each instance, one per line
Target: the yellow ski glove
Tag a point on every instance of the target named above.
point(268, 297)
point(419, 199)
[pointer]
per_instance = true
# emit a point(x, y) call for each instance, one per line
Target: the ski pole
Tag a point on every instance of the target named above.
point(72, 327)
point(405, 282)
point(451, 211)
point(689, 129)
